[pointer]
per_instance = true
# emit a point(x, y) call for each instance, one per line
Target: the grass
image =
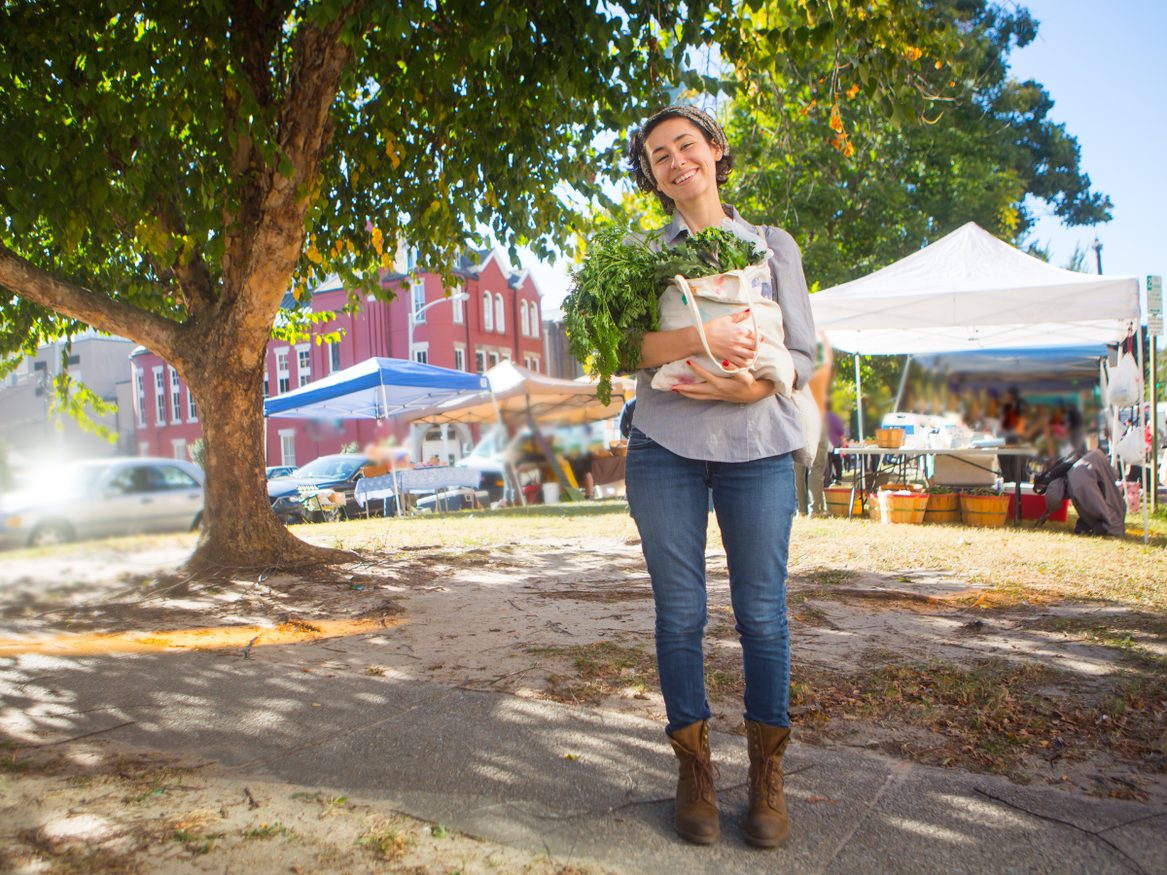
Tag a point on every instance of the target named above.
point(601, 669)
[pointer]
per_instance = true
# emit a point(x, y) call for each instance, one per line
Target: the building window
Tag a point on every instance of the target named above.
point(506, 355)
point(459, 307)
point(480, 362)
point(175, 397)
point(421, 353)
point(493, 359)
point(178, 448)
point(459, 359)
point(304, 364)
point(140, 384)
point(283, 375)
point(288, 446)
point(160, 395)
point(500, 324)
point(265, 385)
point(534, 365)
point(417, 295)
point(524, 323)
point(534, 319)
point(333, 358)
point(191, 413)
point(487, 312)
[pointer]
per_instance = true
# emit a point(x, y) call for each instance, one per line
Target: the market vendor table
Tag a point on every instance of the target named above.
point(414, 480)
point(607, 469)
point(898, 462)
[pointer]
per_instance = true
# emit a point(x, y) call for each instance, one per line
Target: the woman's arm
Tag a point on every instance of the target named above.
point(730, 337)
point(741, 388)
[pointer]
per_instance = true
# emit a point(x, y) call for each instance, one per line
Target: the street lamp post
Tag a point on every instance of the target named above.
point(413, 323)
point(413, 314)
point(1097, 247)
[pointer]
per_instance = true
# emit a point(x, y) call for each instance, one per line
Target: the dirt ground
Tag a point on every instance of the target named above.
point(942, 666)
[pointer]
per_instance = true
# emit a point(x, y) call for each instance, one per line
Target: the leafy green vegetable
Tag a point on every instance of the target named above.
point(616, 290)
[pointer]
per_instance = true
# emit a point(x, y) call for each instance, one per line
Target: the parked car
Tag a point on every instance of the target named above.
point(103, 497)
point(276, 471)
point(338, 473)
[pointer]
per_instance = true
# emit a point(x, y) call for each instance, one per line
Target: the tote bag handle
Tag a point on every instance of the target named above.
point(688, 298)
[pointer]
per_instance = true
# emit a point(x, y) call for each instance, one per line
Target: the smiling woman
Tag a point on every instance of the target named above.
point(729, 437)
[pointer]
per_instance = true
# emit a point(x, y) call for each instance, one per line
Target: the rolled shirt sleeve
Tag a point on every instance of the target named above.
point(794, 299)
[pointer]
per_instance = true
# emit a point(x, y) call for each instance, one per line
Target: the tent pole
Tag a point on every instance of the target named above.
point(903, 383)
point(858, 399)
point(1142, 421)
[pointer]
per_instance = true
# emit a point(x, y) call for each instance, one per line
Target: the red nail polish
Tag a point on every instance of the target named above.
point(747, 309)
point(725, 363)
point(688, 362)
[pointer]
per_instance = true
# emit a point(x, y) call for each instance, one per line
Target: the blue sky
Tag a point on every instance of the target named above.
point(1105, 66)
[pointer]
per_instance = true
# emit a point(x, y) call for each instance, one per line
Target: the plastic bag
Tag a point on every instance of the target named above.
point(1126, 383)
point(1131, 447)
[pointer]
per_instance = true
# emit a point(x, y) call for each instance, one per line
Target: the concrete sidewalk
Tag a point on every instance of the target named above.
point(588, 786)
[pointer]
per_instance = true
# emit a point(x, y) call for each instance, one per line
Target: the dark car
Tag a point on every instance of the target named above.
point(275, 471)
point(336, 473)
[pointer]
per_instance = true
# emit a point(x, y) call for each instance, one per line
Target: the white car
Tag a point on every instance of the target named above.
point(98, 498)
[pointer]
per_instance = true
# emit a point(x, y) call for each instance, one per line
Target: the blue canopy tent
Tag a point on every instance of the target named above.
point(376, 388)
point(1050, 369)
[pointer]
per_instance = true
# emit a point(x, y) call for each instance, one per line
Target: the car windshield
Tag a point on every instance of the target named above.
point(331, 466)
point(73, 479)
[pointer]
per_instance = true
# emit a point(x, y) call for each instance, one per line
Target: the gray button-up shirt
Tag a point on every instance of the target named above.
point(722, 431)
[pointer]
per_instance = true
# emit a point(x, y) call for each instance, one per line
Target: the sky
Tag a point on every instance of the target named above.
point(1104, 64)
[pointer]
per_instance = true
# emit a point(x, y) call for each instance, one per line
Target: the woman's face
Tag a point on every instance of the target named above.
point(683, 162)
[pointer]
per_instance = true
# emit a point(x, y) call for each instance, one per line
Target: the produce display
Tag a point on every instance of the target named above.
point(615, 292)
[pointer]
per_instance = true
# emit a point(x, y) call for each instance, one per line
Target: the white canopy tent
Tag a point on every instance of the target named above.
point(969, 290)
point(972, 291)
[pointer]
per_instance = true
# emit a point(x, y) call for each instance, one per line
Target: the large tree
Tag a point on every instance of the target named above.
point(170, 171)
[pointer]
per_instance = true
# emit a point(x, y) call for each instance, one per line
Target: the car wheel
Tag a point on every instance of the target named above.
point(50, 533)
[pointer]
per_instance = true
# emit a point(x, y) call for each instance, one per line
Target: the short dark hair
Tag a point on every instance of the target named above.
point(638, 160)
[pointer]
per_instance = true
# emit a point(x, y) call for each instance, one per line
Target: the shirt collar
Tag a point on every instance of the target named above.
point(676, 229)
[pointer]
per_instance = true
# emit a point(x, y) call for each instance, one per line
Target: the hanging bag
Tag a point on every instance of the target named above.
point(1126, 383)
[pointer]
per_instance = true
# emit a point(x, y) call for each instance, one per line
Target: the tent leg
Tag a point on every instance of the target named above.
point(903, 383)
point(1141, 419)
point(858, 399)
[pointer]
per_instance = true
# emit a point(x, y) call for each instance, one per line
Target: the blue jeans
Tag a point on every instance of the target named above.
point(754, 502)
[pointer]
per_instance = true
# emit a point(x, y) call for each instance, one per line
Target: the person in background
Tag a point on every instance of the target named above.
point(811, 479)
point(836, 434)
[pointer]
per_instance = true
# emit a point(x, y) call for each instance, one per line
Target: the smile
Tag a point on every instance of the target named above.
point(684, 177)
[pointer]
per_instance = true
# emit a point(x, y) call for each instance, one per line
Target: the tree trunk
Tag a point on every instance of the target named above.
point(239, 529)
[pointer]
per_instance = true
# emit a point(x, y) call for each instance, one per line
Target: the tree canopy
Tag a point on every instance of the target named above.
point(170, 172)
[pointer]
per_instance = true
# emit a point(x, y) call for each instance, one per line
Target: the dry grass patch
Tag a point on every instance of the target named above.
point(601, 669)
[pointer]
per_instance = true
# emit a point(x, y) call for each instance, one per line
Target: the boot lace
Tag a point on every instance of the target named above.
point(704, 775)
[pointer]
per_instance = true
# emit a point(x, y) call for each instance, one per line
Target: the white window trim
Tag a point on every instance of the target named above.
point(159, 395)
point(285, 371)
point(414, 287)
point(487, 311)
point(458, 305)
point(459, 350)
point(175, 398)
point(287, 433)
point(178, 449)
point(534, 316)
point(334, 358)
point(302, 348)
point(500, 319)
point(140, 396)
point(524, 323)
point(191, 410)
point(422, 347)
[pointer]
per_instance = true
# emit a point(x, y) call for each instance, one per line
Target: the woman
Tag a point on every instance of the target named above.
point(734, 436)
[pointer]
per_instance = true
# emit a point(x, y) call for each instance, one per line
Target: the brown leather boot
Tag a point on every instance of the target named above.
point(696, 798)
point(766, 823)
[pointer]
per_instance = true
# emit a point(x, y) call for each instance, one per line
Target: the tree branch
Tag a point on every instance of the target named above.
point(303, 131)
point(28, 281)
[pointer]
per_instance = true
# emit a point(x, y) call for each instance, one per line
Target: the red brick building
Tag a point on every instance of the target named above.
point(500, 318)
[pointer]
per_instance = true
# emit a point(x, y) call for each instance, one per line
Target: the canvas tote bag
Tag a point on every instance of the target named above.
point(695, 301)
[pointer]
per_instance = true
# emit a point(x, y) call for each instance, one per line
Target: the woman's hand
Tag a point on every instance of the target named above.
point(740, 388)
point(732, 339)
